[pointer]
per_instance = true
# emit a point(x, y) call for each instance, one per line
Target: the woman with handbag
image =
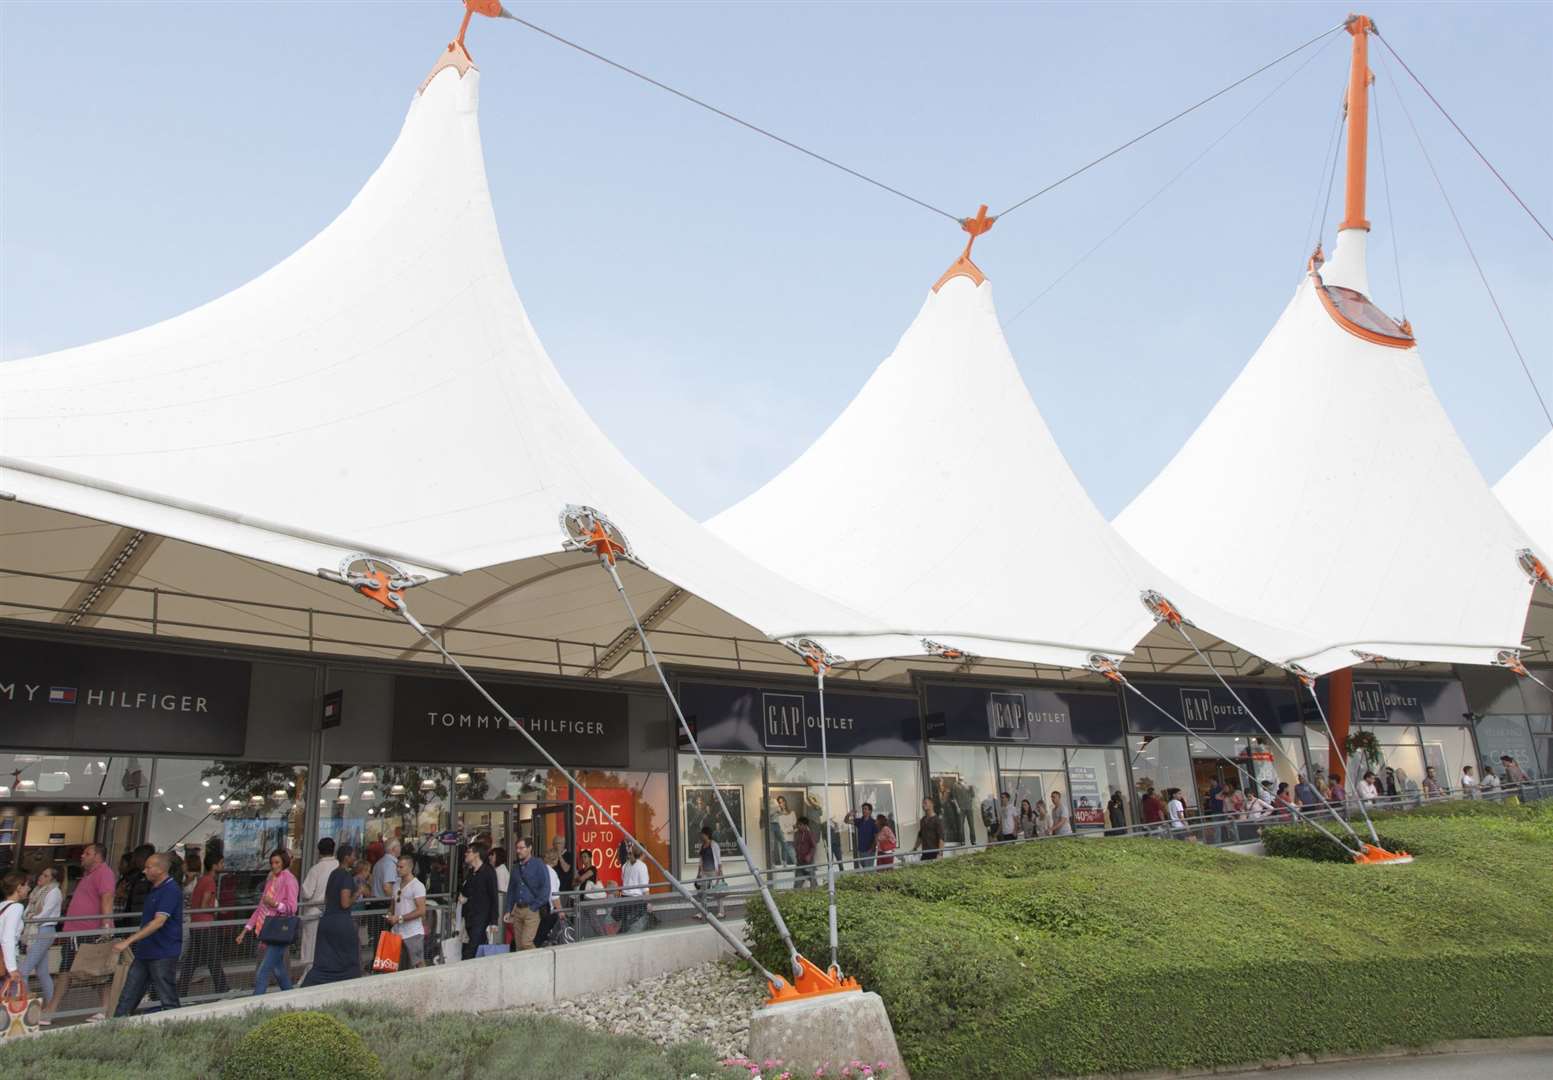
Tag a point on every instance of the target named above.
point(885, 842)
point(13, 986)
point(43, 907)
point(275, 923)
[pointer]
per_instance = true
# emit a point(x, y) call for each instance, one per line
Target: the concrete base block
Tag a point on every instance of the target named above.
point(834, 1028)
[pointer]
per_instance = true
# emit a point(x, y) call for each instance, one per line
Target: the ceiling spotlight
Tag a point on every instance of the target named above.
point(367, 776)
point(397, 789)
point(369, 794)
point(159, 791)
point(461, 778)
point(428, 785)
point(278, 793)
point(204, 783)
point(333, 782)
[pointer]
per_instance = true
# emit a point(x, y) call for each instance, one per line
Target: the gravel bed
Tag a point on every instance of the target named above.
point(710, 1002)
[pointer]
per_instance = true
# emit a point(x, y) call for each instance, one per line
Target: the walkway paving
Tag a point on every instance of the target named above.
point(1529, 1064)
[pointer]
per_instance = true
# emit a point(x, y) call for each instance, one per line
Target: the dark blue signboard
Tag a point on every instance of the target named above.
point(1384, 700)
point(959, 712)
point(786, 720)
point(1209, 709)
point(57, 696)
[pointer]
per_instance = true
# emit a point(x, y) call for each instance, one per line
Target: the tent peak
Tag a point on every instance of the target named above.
point(963, 267)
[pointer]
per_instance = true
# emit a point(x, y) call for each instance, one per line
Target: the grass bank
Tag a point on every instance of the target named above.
point(1078, 956)
point(449, 1046)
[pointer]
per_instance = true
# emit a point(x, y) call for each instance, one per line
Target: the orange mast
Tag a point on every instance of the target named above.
point(1359, 79)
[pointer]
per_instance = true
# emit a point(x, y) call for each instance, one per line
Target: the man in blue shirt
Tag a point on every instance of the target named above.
point(157, 943)
point(528, 894)
point(867, 835)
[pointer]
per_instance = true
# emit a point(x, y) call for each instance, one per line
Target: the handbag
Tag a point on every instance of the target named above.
point(279, 929)
point(390, 948)
point(95, 959)
point(21, 1013)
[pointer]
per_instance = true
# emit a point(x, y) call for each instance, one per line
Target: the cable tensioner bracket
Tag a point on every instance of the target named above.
point(818, 657)
point(1535, 568)
point(947, 652)
point(1105, 667)
point(584, 528)
point(376, 579)
point(1163, 610)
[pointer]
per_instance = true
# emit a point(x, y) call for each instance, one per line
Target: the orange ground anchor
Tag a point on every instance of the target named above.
point(812, 982)
point(1370, 855)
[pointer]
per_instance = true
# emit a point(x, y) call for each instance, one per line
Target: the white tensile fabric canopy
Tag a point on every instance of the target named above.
point(939, 502)
point(1353, 511)
point(379, 391)
point(1527, 493)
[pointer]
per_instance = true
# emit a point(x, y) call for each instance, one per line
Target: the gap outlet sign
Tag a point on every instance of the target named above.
point(90, 698)
point(1207, 708)
point(1408, 701)
point(1028, 714)
point(447, 721)
point(786, 720)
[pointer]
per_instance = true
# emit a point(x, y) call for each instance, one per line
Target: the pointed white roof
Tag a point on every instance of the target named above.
point(1328, 491)
point(1527, 493)
point(939, 503)
point(381, 390)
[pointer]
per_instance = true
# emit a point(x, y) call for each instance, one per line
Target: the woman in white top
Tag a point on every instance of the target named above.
point(42, 906)
point(13, 909)
point(503, 874)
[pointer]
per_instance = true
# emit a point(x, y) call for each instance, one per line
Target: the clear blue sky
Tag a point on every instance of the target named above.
point(715, 299)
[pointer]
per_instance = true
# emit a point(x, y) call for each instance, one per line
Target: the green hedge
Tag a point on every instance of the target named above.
point(304, 1046)
point(1080, 956)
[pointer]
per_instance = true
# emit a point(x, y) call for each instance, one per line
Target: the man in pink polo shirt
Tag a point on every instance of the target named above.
point(93, 896)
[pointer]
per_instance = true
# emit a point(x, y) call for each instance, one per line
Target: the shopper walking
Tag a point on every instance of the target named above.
point(633, 883)
point(503, 874)
point(93, 896)
point(158, 942)
point(481, 900)
point(43, 906)
point(1028, 822)
point(867, 835)
point(278, 900)
point(1116, 813)
point(409, 915)
point(709, 873)
point(804, 847)
point(13, 913)
point(310, 896)
point(930, 833)
point(1061, 820)
point(886, 842)
point(1176, 810)
point(528, 895)
point(1469, 783)
point(205, 943)
point(337, 955)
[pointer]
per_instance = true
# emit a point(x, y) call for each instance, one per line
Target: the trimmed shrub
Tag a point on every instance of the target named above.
point(303, 1045)
point(1304, 842)
point(1079, 956)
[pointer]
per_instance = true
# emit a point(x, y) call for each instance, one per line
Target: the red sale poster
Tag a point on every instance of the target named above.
point(595, 834)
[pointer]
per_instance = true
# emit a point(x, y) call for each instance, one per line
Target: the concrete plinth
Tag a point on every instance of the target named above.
point(835, 1028)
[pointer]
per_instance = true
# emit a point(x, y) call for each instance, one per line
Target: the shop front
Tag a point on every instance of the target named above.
point(193, 748)
point(1196, 733)
point(1513, 720)
point(1035, 742)
point(1419, 724)
point(763, 744)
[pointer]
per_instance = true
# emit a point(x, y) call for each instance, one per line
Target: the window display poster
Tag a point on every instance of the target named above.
point(344, 830)
point(880, 794)
point(700, 808)
point(596, 834)
point(1085, 797)
point(247, 842)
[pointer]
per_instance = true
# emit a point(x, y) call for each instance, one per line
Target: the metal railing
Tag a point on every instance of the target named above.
point(214, 966)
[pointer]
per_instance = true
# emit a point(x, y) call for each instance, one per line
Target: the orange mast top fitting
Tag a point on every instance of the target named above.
point(491, 9)
point(963, 267)
point(1359, 79)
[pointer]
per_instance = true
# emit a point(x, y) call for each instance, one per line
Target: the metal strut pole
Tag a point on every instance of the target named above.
point(1250, 779)
point(831, 869)
point(1341, 756)
point(727, 935)
point(1271, 739)
point(759, 873)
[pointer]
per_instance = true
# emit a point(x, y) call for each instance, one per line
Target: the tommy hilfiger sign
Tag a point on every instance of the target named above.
point(446, 720)
point(82, 697)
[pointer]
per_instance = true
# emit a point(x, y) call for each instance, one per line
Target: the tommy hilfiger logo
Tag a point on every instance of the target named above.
point(61, 695)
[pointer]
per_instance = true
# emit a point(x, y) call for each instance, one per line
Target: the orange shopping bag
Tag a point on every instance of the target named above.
point(389, 949)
